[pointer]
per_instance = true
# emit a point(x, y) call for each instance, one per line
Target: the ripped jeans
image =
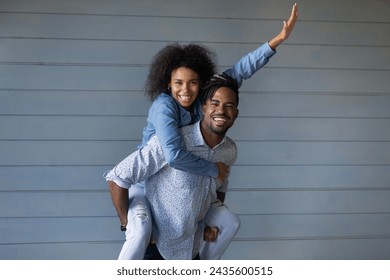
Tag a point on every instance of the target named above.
point(139, 228)
point(228, 224)
point(139, 225)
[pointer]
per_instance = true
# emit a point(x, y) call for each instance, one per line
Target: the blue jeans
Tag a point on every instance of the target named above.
point(139, 225)
point(228, 224)
point(139, 228)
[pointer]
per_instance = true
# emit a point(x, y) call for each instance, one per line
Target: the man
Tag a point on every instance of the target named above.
point(180, 200)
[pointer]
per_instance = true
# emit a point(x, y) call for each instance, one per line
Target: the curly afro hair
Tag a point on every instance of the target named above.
point(193, 56)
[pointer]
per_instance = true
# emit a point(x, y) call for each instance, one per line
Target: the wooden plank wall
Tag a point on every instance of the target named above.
point(312, 179)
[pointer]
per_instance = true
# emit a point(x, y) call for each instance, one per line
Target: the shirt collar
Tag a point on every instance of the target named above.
point(186, 116)
point(198, 137)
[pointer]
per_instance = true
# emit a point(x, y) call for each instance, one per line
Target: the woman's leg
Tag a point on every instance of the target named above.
point(228, 224)
point(139, 225)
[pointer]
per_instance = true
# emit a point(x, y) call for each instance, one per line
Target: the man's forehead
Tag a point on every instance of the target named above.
point(224, 94)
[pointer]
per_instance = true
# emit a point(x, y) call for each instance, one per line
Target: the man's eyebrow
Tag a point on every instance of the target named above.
point(217, 100)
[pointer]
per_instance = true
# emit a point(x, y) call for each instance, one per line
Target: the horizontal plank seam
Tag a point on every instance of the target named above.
point(239, 214)
point(137, 65)
point(312, 238)
point(143, 116)
point(187, 17)
point(185, 41)
point(292, 189)
point(241, 165)
point(378, 237)
point(243, 92)
point(4, 139)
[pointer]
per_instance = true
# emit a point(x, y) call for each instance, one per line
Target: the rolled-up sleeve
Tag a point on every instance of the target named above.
point(138, 166)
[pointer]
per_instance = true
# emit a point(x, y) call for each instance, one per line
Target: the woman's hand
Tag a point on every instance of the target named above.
point(288, 27)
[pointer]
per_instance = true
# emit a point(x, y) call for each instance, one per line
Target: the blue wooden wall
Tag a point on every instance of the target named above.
point(312, 180)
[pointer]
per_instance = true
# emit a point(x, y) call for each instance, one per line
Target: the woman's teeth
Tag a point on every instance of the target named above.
point(185, 97)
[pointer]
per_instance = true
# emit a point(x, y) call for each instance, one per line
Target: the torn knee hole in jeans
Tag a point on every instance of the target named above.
point(141, 210)
point(141, 213)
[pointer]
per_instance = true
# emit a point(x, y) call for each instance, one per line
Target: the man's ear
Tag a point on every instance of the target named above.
point(237, 112)
point(203, 109)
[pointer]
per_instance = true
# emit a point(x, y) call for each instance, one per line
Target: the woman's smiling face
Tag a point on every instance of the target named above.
point(185, 86)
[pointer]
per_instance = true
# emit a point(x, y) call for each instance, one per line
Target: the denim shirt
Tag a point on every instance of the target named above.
point(166, 116)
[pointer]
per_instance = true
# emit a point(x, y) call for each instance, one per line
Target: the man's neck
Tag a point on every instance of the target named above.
point(212, 139)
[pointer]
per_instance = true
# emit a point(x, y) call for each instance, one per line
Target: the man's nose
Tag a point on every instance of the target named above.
point(220, 109)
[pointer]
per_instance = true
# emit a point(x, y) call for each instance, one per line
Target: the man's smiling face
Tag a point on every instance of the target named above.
point(220, 112)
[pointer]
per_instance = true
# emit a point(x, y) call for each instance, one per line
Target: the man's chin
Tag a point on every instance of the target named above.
point(219, 130)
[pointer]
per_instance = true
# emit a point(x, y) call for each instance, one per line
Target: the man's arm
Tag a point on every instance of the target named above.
point(120, 199)
point(135, 168)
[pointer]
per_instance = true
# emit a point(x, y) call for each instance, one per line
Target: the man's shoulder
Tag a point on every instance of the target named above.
point(188, 128)
point(229, 150)
point(230, 145)
point(192, 136)
point(230, 141)
point(189, 132)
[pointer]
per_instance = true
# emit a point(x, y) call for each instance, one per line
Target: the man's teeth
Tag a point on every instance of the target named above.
point(220, 119)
